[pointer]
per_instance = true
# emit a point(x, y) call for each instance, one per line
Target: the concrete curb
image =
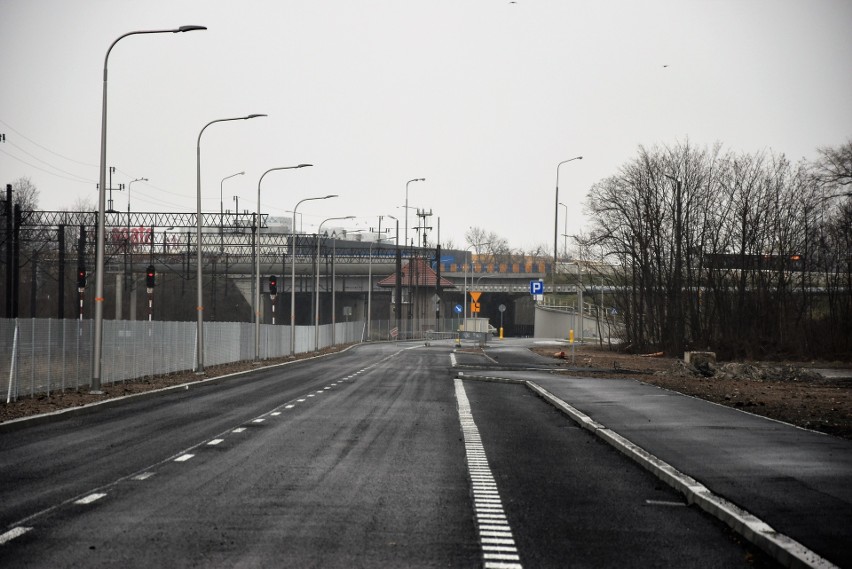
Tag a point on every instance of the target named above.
point(783, 549)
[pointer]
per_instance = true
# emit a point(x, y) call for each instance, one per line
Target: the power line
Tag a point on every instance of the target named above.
point(77, 180)
point(44, 147)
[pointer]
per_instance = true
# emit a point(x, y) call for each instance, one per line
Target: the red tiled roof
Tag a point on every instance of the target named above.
point(416, 273)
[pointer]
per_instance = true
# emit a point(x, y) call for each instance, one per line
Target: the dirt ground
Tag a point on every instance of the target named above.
point(783, 391)
point(789, 392)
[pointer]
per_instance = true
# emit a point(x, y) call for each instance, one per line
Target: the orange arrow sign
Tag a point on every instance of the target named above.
point(475, 295)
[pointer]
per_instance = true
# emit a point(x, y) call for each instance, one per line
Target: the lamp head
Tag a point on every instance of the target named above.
point(254, 116)
point(304, 165)
point(190, 28)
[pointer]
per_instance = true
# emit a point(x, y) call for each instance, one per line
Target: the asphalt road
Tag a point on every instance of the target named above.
point(360, 459)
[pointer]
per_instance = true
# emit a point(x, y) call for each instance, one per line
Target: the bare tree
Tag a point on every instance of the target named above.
point(834, 165)
point(25, 194)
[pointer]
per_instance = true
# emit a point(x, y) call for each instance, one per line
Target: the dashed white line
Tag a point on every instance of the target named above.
point(184, 457)
point(495, 535)
point(90, 498)
point(275, 413)
point(143, 476)
point(215, 442)
point(289, 406)
point(239, 430)
point(13, 533)
point(258, 420)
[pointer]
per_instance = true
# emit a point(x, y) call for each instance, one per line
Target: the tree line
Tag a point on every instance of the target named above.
point(747, 254)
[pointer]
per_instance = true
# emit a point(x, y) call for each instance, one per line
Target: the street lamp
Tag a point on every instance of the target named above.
point(316, 287)
point(200, 298)
point(677, 329)
point(564, 236)
point(130, 183)
point(398, 272)
point(132, 286)
point(556, 219)
point(257, 260)
point(406, 205)
point(293, 272)
point(466, 251)
point(97, 351)
point(222, 212)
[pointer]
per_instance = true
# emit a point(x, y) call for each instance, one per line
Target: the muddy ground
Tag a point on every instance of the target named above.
point(787, 392)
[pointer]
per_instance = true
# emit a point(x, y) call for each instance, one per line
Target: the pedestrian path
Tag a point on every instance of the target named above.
point(785, 488)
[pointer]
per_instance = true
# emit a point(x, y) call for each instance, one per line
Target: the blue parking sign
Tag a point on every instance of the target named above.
point(537, 287)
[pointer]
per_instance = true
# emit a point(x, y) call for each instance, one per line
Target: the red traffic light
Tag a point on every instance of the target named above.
point(273, 284)
point(150, 276)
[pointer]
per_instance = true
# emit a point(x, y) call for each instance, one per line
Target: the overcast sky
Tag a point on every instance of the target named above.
point(483, 98)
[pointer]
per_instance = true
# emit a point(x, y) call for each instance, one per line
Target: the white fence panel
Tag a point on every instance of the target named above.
point(46, 355)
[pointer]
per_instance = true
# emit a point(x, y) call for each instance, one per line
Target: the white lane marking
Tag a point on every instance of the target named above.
point(90, 498)
point(300, 400)
point(215, 442)
point(491, 522)
point(289, 406)
point(143, 476)
point(311, 395)
point(184, 457)
point(664, 503)
point(13, 533)
point(258, 420)
point(453, 362)
point(239, 430)
point(275, 413)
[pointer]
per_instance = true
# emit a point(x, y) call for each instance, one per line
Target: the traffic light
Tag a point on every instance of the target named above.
point(81, 277)
point(150, 276)
point(273, 284)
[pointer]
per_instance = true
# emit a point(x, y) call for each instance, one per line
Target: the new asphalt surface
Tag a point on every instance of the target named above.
point(380, 456)
point(798, 482)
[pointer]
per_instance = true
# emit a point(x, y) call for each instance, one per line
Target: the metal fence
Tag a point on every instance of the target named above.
point(40, 356)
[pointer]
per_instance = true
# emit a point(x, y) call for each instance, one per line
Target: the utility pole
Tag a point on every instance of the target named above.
point(9, 234)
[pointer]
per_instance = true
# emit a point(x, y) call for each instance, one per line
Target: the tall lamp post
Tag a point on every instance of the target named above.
point(199, 308)
point(222, 212)
point(293, 272)
point(466, 251)
point(678, 328)
point(316, 287)
point(129, 184)
point(565, 225)
point(257, 261)
point(397, 293)
point(406, 206)
point(556, 220)
point(97, 347)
